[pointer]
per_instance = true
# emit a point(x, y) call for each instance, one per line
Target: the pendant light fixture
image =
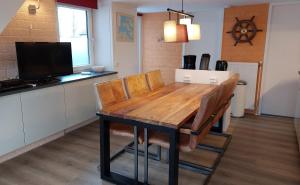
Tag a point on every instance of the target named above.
point(194, 32)
point(181, 30)
point(175, 32)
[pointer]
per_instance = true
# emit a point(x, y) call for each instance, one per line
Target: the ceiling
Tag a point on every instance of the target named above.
point(192, 4)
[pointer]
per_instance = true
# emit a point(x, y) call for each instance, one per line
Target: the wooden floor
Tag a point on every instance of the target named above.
point(263, 151)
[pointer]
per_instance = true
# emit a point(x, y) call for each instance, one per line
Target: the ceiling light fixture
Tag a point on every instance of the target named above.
point(175, 32)
point(181, 30)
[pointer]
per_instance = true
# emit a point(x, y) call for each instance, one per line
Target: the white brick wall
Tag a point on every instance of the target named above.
point(159, 55)
point(44, 28)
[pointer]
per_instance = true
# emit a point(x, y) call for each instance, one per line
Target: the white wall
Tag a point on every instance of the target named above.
point(7, 10)
point(125, 54)
point(211, 22)
point(102, 24)
point(114, 55)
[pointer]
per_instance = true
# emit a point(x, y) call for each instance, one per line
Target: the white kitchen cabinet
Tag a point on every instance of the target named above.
point(11, 126)
point(37, 114)
point(80, 102)
point(43, 113)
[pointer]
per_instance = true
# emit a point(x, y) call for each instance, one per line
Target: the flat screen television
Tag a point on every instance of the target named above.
point(41, 60)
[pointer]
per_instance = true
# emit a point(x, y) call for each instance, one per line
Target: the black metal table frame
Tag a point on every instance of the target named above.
point(108, 175)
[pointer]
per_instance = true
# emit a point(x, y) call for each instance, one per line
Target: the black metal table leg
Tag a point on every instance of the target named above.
point(104, 148)
point(146, 156)
point(136, 155)
point(173, 157)
point(158, 153)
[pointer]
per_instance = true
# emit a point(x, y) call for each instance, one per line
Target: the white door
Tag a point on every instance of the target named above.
point(282, 61)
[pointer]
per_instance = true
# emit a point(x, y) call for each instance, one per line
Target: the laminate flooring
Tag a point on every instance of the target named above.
point(263, 151)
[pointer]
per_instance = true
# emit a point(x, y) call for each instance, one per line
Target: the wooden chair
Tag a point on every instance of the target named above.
point(110, 93)
point(212, 108)
point(136, 85)
point(154, 80)
point(224, 100)
point(189, 138)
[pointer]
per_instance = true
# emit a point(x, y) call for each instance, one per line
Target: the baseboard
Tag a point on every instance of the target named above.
point(75, 127)
point(43, 141)
point(29, 147)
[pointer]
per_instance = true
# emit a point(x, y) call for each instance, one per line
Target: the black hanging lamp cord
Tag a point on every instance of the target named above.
point(180, 12)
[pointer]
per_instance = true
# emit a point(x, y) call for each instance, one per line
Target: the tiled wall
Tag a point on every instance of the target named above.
point(44, 28)
point(156, 53)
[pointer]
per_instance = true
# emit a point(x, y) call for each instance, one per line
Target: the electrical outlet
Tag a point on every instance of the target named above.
point(32, 9)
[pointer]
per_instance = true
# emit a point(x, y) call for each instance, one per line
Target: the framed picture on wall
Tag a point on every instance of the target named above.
point(125, 27)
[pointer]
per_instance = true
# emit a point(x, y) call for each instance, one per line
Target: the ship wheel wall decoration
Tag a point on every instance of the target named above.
point(244, 31)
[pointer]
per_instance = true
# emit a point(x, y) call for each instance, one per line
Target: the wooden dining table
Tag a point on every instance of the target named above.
point(164, 110)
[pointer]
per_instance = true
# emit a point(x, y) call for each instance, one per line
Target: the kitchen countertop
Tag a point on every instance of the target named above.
point(61, 80)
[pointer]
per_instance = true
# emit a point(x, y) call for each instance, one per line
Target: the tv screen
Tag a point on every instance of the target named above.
point(40, 60)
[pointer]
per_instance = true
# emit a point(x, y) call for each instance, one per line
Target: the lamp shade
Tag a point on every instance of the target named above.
point(194, 32)
point(186, 21)
point(193, 29)
point(174, 32)
point(181, 33)
point(170, 31)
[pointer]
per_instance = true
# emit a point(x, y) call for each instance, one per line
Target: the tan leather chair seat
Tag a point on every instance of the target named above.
point(154, 80)
point(110, 93)
point(136, 85)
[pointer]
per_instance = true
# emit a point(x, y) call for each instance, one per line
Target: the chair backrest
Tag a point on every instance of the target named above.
point(220, 98)
point(154, 80)
point(228, 87)
point(206, 110)
point(110, 92)
point(136, 85)
point(226, 90)
point(204, 62)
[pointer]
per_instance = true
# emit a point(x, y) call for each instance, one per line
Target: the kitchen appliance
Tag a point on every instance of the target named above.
point(189, 62)
point(204, 63)
point(221, 65)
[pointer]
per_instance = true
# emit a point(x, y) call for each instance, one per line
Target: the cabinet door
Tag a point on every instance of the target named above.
point(80, 102)
point(11, 126)
point(43, 113)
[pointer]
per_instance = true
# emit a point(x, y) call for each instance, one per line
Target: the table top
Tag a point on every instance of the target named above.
point(170, 106)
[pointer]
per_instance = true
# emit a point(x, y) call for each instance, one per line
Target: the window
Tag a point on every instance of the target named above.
point(74, 28)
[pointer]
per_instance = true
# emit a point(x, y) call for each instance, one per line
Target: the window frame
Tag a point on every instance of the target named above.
point(89, 35)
